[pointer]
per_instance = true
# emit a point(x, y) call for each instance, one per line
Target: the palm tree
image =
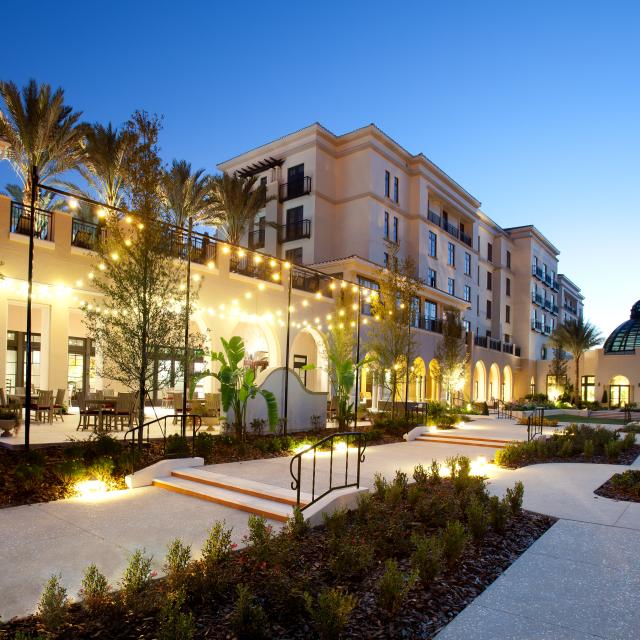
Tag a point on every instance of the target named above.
point(48, 200)
point(186, 193)
point(235, 203)
point(41, 132)
point(576, 337)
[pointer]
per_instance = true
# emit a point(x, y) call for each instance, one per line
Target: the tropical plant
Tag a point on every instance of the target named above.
point(48, 200)
point(235, 201)
point(237, 385)
point(186, 193)
point(577, 337)
point(451, 354)
point(41, 131)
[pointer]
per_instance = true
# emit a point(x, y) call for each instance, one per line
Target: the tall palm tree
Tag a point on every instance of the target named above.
point(186, 193)
point(235, 202)
point(48, 200)
point(40, 130)
point(577, 337)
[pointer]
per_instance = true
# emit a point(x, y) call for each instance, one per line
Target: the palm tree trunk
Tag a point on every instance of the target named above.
point(576, 392)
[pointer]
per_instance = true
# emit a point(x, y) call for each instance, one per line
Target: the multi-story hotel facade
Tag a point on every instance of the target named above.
point(338, 203)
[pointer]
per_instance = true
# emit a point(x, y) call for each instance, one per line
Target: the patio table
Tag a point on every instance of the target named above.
point(100, 404)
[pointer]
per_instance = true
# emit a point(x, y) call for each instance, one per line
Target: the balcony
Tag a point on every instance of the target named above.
point(494, 344)
point(21, 222)
point(295, 189)
point(430, 324)
point(256, 238)
point(433, 217)
point(481, 341)
point(467, 239)
point(249, 267)
point(450, 229)
point(295, 230)
point(571, 309)
point(203, 248)
point(85, 235)
point(311, 282)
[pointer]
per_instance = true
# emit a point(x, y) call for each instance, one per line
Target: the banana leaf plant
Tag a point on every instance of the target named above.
point(237, 385)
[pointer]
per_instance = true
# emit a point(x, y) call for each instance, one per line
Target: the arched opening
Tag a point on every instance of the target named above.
point(417, 381)
point(479, 382)
point(307, 348)
point(369, 388)
point(507, 384)
point(400, 373)
point(619, 391)
point(260, 345)
point(494, 383)
point(433, 386)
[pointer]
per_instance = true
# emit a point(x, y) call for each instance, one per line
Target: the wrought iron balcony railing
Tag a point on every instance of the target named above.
point(257, 238)
point(21, 222)
point(295, 230)
point(295, 188)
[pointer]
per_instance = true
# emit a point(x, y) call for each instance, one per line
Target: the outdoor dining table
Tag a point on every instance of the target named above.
point(100, 404)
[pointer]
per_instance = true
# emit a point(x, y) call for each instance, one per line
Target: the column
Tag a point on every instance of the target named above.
point(58, 346)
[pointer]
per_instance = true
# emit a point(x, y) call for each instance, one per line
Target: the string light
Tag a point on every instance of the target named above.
point(73, 204)
point(226, 249)
point(101, 213)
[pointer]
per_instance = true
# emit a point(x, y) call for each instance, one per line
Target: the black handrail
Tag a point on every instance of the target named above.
point(20, 222)
point(535, 423)
point(162, 422)
point(296, 475)
point(505, 410)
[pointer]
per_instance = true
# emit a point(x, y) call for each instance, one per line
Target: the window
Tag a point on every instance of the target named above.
point(415, 312)
point(451, 254)
point(507, 338)
point(543, 353)
point(386, 260)
point(588, 389)
point(432, 280)
point(508, 286)
point(467, 264)
point(396, 189)
point(507, 314)
point(430, 314)
point(369, 284)
point(508, 259)
point(451, 286)
point(387, 184)
point(433, 245)
point(489, 281)
point(467, 293)
point(395, 229)
point(386, 224)
point(294, 256)
point(263, 182)
point(489, 252)
point(467, 325)
point(488, 309)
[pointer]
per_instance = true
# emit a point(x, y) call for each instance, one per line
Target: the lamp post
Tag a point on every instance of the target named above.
point(186, 330)
point(27, 398)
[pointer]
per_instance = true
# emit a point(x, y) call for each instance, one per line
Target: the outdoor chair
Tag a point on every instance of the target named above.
point(122, 413)
point(43, 406)
point(177, 406)
point(58, 405)
point(88, 415)
point(212, 404)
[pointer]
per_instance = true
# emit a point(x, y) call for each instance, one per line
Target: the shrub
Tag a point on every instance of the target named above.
point(177, 447)
point(52, 607)
point(627, 482)
point(261, 537)
point(176, 563)
point(331, 611)
point(218, 546)
point(477, 519)
point(434, 472)
point(350, 556)
point(175, 624)
point(628, 441)
point(204, 445)
point(248, 619)
point(588, 449)
point(515, 497)
point(95, 589)
point(454, 539)
point(613, 449)
point(136, 579)
point(426, 558)
point(102, 444)
point(498, 513)
point(28, 476)
point(297, 527)
point(336, 522)
point(447, 421)
point(393, 587)
point(102, 469)
point(566, 449)
point(420, 475)
point(380, 485)
point(68, 471)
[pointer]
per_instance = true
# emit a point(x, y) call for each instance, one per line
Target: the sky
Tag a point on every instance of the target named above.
point(533, 107)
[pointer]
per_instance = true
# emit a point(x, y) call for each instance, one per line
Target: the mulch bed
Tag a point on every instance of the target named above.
point(626, 458)
point(610, 490)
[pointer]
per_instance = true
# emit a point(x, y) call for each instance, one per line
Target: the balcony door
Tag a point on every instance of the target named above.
point(294, 223)
point(295, 181)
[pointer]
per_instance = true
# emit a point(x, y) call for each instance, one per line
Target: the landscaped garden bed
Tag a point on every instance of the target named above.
point(622, 486)
point(577, 443)
point(402, 565)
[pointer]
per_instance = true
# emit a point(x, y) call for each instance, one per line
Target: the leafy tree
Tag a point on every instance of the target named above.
point(186, 193)
point(41, 131)
point(235, 202)
point(451, 354)
point(389, 338)
point(237, 385)
point(577, 337)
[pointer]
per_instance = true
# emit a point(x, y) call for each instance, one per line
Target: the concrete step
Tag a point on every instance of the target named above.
point(468, 441)
point(270, 509)
point(241, 485)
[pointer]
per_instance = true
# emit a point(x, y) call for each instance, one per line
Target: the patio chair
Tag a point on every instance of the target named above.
point(122, 413)
point(88, 415)
point(212, 404)
point(43, 406)
point(58, 405)
point(177, 406)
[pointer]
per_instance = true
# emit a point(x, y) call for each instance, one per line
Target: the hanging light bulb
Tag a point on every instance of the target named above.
point(73, 204)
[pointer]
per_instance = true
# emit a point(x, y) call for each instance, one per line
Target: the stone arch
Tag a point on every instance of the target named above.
point(619, 391)
point(494, 382)
point(507, 384)
point(307, 347)
point(417, 380)
point(433, 384)
point(479, 382)
point(261, 345)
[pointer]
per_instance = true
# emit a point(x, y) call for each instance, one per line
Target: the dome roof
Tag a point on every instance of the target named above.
point(626, 338)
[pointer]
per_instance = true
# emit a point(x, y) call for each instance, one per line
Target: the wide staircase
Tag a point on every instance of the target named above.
point(269, 501)
point(459, 440)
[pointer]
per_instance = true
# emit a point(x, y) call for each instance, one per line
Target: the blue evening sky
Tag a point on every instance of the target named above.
point(532, 106)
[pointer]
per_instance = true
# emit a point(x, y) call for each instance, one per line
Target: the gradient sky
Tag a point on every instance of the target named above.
point(533, 109)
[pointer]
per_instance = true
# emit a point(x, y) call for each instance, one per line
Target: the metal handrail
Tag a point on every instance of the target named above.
point(162, 422)
point(296, 475)
point(505, 410)
point(535, 423)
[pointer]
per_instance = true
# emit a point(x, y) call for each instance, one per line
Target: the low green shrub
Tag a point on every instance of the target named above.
point(297, 527)
point(427, 558)
point(95, 589)
point(477, 519)
point(248, 620)
point(177, 447)
point(350, 556)
point(217, 547)
point(393, 587)
point(53, 604)
point(515, 497)
point(330, 612)
point(174, 622)
point(588, 449)
point(613, 449)
point(262, 540)
point(498, 513)
point(136, 579)
point(204, 445)
point(627, 482)
point(454, 539)
point(177, 563)
point(28, 476)
point(69, 471)
point(447, 421)
point(628, 441)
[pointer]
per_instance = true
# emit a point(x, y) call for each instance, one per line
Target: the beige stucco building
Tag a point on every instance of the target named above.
point(338, 201)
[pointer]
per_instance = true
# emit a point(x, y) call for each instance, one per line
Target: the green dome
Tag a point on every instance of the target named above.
point(626, 338)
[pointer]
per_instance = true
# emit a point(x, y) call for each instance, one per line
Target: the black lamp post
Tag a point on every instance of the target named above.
point(32, 217)
point(186, 330)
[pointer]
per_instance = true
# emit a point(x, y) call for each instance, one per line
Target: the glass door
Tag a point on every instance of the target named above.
point(618, 395)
